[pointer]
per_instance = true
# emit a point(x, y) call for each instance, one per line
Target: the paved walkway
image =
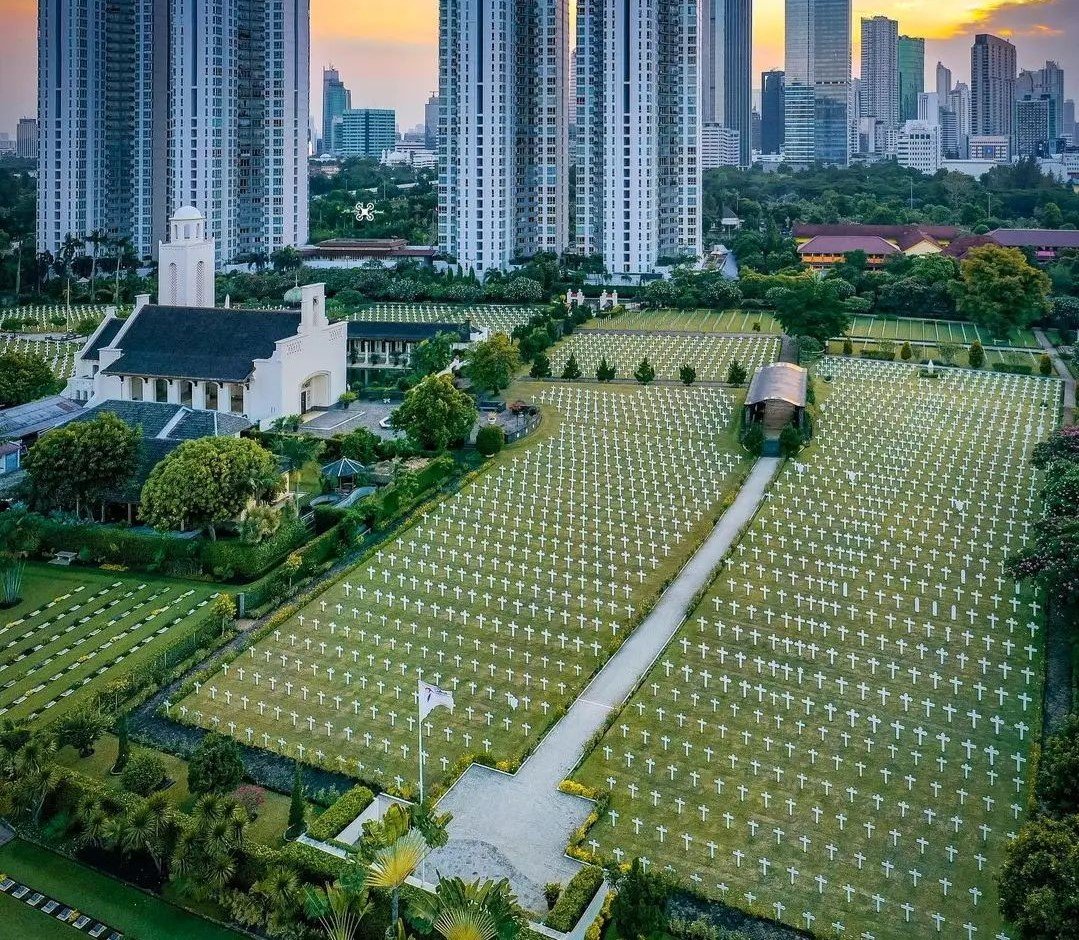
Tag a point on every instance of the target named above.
point(518, 825)
point(1062, 370)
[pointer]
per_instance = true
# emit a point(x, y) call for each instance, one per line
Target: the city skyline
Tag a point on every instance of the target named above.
point(388, 55)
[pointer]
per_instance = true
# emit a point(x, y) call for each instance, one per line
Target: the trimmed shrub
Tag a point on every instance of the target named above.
point(490, 440)
point(143, 774)
point(573, 901)
point(976, 355)
point(346, 809)
point(1013, 368)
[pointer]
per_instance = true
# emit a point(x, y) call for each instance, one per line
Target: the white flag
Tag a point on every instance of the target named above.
point(431, 697)
point(512, 699)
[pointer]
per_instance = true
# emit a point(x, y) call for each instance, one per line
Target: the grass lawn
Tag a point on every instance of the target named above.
point(268, 828)
point(946, 331)
point(1026, 357)
point(59, 354)
point(76, 627)
point(139, 916)
point(710, 354)
point(839, 733)
point(696, 321)
point(498, 318)
point(512, 591)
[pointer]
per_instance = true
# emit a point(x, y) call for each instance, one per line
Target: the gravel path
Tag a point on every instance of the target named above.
point(1062, 371)
point(518, 826)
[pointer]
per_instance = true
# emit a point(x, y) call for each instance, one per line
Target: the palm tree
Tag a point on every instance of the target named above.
point(95, 240)
point(146, 828)
point(93, 821)
point(337, 910)
point(459, 910)
point(392, 864)
point(295, 451)
point(206, 854)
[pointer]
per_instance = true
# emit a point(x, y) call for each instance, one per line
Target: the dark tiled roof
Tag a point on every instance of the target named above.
point(409, 332)
point(1035, 237)
point(908, 240)
point(201, 342)
point(842, 244)
point(37, 416)
point(942, 232)
point(168, 422)
point(103, 339)
point(164, 427)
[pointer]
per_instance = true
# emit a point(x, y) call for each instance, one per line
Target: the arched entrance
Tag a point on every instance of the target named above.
point(315, 392)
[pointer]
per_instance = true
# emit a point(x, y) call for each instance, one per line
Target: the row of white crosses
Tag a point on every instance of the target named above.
point(710, 354)
point(820, 742)
point(499, 318)
point(40, 315)
point(59, 354)
point(510, 594)
point(60, 641)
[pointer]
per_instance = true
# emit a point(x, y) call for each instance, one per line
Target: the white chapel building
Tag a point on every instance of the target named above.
point(260, 364)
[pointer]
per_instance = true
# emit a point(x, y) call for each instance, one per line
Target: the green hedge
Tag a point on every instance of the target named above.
point(574, 900)
point(1013, 369)
point(878, 354)
point(345, 810)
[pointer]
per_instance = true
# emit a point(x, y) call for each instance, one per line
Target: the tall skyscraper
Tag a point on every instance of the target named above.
point(772, 93)
point(911, 76)
point(880, 63)
point(638, 132)
point(959, 102)
point(1067, 126)
point(26, 139)
point(944, 83)
point(1035, 125)
point(992, 86)
point(503, 180)
point(365, 132)
point(432, 112)
point(148, 106)
point(726, 67)
point(336, 100)
point(818, 81)
point(1049, 81)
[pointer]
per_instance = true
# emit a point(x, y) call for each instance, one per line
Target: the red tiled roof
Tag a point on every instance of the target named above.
point(843, 244)
point(964, 243)
point(1035, 237)
point(943, 232)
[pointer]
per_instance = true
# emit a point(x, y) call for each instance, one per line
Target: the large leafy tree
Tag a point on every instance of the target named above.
point(25, 377)
point(75, 465)
point(433, 355)
point(296, 450)
point(493, 362)
point(1058, 770)
point(207, 482)
point(215, 765)
point(810, 306)
point(1000, 290)
point(1039, 881)
point(434, 413)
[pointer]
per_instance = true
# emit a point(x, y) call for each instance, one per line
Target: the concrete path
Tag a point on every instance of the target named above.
point(517, 826)
point(1062, 371)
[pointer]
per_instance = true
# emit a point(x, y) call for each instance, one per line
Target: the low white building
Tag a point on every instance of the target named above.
point(259, 364)
point(919, 147)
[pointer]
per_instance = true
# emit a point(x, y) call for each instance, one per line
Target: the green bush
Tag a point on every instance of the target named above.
point(490, 440)
point(346, 809)
point(753, 440)
point(976, 355)
point(573, 901)
point(143, 773)
point(1013, 368)
point(326, 517)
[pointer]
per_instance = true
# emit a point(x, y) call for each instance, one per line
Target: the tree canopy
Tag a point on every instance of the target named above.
point(492, 363)
point(77, 464)
point(435, 414)
point(814, 307)
point(1001, 291)
point(25, 377)
point(207, 482)
point(215, 765)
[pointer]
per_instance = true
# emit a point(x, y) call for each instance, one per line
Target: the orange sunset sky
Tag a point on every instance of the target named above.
point(386, 49)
